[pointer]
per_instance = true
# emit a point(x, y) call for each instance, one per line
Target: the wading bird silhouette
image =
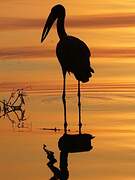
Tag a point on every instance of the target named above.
point(72, 53)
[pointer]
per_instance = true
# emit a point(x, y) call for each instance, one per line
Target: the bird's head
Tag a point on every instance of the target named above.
point(56, 12)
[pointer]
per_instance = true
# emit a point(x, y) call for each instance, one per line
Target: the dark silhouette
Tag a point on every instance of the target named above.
point(52, 129)
point(75, 142)
point(15, 105)
point(72, 53)
point(59, 173)
point(66, 145)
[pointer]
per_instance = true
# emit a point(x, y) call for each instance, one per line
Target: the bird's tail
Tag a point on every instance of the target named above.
point(83, 74)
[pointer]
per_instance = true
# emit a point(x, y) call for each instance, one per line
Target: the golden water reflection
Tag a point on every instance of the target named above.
point(108, 116)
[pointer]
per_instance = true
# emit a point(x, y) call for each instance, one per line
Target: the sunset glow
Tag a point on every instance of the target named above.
point(108, 99)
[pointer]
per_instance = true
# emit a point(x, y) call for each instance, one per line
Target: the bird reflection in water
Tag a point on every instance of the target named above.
point(62, 172)
point(67, 144)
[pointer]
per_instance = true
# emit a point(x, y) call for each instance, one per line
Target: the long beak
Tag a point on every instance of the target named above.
point(48, 25)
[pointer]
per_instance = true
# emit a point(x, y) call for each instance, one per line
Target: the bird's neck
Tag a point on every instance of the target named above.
point(60, 27)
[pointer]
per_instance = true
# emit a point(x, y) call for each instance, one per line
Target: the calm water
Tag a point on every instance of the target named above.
point(109, 115)
point(108, 100)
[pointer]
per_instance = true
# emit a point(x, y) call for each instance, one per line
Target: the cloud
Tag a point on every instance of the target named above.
point(92, 21)
point(7, 23)
point(103, 21)
point(114, 52)
point(25, 52)
point(41, 52)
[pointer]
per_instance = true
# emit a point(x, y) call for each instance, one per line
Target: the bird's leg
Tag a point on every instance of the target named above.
point(79, 107)
point(64, 102)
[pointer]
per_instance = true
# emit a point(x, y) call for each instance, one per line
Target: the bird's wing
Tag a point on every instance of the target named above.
point(72, 49)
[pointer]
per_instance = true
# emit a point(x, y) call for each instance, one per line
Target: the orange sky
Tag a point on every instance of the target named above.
point(108, 28)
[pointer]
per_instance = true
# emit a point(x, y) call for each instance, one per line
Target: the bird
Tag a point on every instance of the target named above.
point(72, 53)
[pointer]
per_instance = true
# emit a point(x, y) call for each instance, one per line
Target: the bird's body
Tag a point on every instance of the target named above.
point(72, 53)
